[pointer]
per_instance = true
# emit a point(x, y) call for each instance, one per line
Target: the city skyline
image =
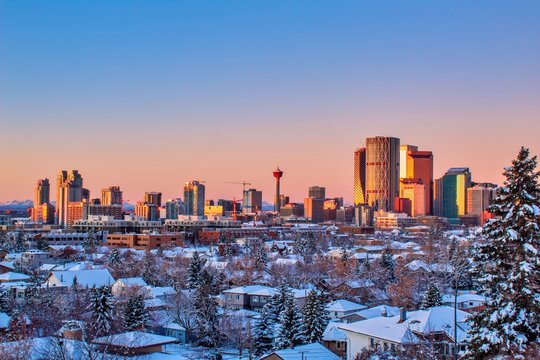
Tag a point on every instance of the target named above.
point(191, 94)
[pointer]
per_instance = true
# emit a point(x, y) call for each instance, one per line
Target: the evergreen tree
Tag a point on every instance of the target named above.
point(194, 271)
point(4, 300)
point(20, 242)
point(260, 259)
point(388, 263)
point(290, 332)
point(114, 257)
point(135, 314)
point(315, 316)
point(207, 329)
point(508, 267)
point(90, 242)
point(101, 306)
point(432, 297)
point(263, 338)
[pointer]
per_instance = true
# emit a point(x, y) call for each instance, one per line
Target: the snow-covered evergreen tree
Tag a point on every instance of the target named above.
point(90, 241)
point(315, 316)
point(388, 264)
point(508, 267)
point(263, 338)
point(194, 271)
point(20, 242)
point(135, 314)
point(4, 300)
point(260, 258)
point(289, 331)
point(102, 307)
point(114, 257)
point(207, 329)
point(432, 297)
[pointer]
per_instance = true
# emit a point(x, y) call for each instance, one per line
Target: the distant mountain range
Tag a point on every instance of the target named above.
point(16, 205)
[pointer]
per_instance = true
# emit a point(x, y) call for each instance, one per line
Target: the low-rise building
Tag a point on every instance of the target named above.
point(144, 241)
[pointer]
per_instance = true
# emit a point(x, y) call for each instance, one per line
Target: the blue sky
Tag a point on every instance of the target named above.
point(199, 89)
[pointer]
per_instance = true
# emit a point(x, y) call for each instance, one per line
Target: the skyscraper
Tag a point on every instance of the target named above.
point(194, 198)
point(455, 183)
point(111, 196)
point(69, 188)
point(43, 210)
point(382, 172)
point(42, 191)
point(317, 192)
point(152, 197)
point(418, 167)
point(252, 201)
point(479, 197)
point(360, 176)
point(314, 209)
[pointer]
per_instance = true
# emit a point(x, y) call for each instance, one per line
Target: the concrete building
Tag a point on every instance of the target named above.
point(69, 188)
point(144, 241)
point(194, 194)
point(111, 196)
point(252, 201)
point(438, 197)
point(479, 197)
point(292, 209)
point(41, 197)
point(174, 208)
point(314, 210)
point(108, 223)
point(317, 192)
point(360, 176)
point(213, 211)
point(382, 172)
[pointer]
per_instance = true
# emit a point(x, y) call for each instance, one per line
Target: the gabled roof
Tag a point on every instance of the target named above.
point(134, 340)
point(161, 290)
point(13, 276)
point(378, 311)
point(95, 277)
point(309, 351)
point(343, 305)
point(435, 320)
point(333, 333)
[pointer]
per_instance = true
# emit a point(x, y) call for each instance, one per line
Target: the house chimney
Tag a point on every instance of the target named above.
point(402, 315)
point(384, 313)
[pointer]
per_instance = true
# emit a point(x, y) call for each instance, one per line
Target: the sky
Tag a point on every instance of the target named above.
point(150, 94)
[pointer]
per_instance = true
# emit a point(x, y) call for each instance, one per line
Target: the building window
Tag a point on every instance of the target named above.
point(385, 346)
point(338, 345)
point(372, 342)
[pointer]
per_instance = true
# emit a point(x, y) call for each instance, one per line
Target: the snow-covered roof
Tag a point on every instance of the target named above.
point(133, 281)
point(463, 298)
point(434, 320)
point(309, 351)
point(135, 339)
point(161, 290)
point(249, 289)
point(153, 303)
point(343, 305)
point(175, 326)
point(4, 320)
point(95, 277)
point(13, 276)
point(378, 311)
point(8, 264)
point(333, 333)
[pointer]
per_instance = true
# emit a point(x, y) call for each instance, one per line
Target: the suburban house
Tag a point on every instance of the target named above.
point(435, 326)
point(335, 339)
point(254, 297)
point(470, 303)
point(85, 278)
point(13, 277)
point(129, 286)
point(340, 308)
point(377, 311)
point(309, 351)
point(134, 343)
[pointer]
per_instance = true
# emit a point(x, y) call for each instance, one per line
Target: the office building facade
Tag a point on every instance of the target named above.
point(382, 172)
point(360, 176)
point(194, 198)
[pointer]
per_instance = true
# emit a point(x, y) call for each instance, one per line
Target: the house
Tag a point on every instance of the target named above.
point(6, 266)
point(377, 311)
point(470, 303)
point(309, 351)
point(340, 308)
point(85, 278)
point(33, 259)
point(435, 325)
point(133, 343)
point(335, 340)
point(13, 277)
point(255, 297)
point(129, 286)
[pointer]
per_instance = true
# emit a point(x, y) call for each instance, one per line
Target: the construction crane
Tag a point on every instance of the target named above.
point(243, 183)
